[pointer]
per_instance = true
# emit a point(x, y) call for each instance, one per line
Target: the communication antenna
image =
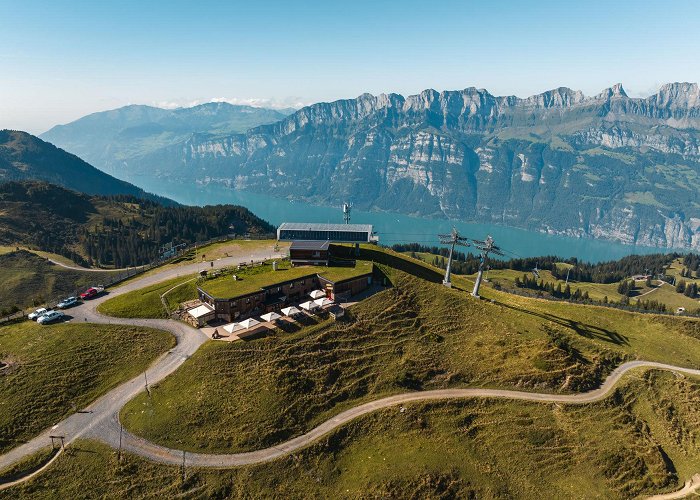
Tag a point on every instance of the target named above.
point(451, 239)
point(346, 212)
point(486, 246)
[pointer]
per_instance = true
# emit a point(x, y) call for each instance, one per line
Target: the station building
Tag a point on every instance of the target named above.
point(333, 233)
point(315, 253)
point(274, 297)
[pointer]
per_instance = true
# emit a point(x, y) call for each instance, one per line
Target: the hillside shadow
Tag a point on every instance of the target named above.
point(389, 260)
point(585, 330)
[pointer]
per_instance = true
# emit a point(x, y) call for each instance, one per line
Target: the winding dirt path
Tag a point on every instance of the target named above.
point(100, 419)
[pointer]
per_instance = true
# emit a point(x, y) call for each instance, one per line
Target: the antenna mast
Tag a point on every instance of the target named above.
point(346, 212)
point(451, 239)
point(487, 246)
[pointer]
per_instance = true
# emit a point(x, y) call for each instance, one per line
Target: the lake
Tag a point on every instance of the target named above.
point(396, 228)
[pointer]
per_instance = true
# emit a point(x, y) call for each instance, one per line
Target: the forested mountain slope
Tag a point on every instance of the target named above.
point(110, 230)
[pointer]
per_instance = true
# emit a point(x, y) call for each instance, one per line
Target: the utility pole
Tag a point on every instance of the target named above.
point(487, 246)
point(451, 239)
point(119, 453)
point(567, 276)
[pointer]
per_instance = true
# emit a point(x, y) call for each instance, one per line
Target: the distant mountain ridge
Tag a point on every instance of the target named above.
point(26, 157)
point(608, 166)
point(116, 138)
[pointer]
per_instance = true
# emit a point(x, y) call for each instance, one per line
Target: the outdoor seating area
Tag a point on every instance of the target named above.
point(254, 327)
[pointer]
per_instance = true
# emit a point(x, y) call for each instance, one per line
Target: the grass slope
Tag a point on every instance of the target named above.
point(146, 302)
point(661, 292)
point(639, 441)
point(416, 335)
point(29, 280)
point(54, 370)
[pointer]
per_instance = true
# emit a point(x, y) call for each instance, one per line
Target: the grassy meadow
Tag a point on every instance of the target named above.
point(639, 441)
point(415, 335)
point(30, 280)
point(146, 303)
point(54, 370)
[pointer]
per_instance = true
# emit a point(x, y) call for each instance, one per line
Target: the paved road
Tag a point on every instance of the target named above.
point(241, 255)
point(100, 420)
point(158, 453)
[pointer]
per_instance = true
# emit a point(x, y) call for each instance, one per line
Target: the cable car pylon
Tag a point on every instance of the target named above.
point(487, 246)
point(452, 239)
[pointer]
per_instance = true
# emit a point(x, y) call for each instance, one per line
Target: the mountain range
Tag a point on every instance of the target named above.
point(26, 157)
point(115, 140)
point(608, 166)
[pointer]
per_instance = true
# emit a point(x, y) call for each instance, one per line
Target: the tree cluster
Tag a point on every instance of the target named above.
point(687, 289)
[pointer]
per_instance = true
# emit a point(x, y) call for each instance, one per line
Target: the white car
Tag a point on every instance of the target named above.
point(37, 314)
point(49, 317)
point(66, 303)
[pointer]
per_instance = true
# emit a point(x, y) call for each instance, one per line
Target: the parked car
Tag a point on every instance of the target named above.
point(92, 292)
point(66, 303)
point(49, 317)
point(37, 314)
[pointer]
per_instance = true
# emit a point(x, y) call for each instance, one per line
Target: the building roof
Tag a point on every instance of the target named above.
point(313, 226)
point(200, 311)
point(309, 245)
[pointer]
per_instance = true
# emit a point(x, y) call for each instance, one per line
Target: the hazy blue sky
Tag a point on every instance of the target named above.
point(60, 60)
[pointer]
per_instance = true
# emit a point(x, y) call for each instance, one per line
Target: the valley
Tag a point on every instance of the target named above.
point(607, 166)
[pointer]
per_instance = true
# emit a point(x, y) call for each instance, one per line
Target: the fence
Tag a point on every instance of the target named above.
point(121, 275)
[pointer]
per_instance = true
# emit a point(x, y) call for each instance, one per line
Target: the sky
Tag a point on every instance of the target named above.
point(60, 60)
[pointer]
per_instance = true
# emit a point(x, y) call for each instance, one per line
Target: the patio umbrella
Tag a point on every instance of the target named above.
point(271, 316)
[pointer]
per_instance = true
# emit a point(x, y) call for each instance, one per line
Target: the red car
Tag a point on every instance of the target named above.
point(91, 292)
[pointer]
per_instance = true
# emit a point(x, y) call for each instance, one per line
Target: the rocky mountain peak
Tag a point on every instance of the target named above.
point(561, 97)
point(616, 91)
point(678, 95)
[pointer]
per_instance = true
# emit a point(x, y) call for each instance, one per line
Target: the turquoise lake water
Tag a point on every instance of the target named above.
point(396, 228)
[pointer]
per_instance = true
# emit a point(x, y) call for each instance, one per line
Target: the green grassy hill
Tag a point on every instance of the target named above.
point(26, 157)
point(637, 442)
point(415, 335)
point(55, 370)
point(506, 279)
point(30, 280)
